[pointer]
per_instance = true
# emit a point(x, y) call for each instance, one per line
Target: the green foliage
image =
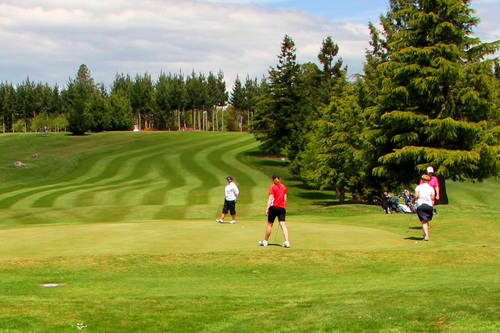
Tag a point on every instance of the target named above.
point(141, 99)
point(98, 107)
point(41, 123)
point(77, 99)
point(121, 111)
point(291, 97)
point(243, 102)
point(277, 113)
point(160, 105)
point(60, 123)
point(19, 126)
point(437, 101)
point(164, 100)
point(80, 120)
point(333, 156)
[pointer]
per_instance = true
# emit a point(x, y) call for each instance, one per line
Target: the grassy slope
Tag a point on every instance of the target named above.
point(72, 216)
point(168, 175)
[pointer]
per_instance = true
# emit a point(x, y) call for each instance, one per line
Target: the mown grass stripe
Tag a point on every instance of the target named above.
point(113, 169)
point(89, 175)
point(151, 176)
point(63, 196)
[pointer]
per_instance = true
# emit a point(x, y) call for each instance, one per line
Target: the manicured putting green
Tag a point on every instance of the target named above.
point(184, 237)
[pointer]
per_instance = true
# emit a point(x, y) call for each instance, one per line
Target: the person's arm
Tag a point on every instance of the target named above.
point(435, 185)
point(269, 202)
point(236, 191)
point(286, 199)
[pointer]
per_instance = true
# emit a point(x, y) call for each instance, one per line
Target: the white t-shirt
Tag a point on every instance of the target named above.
point(231, 191)
point(425, 192)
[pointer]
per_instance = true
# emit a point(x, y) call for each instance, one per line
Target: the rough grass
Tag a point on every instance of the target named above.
point(124, 223)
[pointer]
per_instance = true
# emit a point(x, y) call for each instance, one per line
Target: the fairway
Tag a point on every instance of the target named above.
point(170, 176)
point(123, 224)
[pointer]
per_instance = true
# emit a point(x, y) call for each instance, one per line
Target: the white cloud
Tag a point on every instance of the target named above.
point(487, 11)
point(49, 40)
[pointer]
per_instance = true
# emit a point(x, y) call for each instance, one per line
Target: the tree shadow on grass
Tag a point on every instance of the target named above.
point(71, 135)
point(322, 198)
point(263, 159)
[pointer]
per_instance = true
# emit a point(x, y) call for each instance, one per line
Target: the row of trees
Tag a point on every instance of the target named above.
point(172, 102)
point(429, 95)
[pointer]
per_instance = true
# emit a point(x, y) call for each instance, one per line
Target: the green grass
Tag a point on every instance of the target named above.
point(124, 223)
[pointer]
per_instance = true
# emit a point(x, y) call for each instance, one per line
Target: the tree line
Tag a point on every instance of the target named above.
point(172, 102)
point(429, 94)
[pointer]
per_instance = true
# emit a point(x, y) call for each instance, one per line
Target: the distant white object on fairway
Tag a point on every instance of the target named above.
point(51, 284)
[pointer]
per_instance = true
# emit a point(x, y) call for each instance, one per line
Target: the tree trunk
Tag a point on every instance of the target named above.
point(178, 119)
point(213, 121)
point(443, 196)
point(199, 119)
point(340, 194)
point(241, 120)
point(217, 119)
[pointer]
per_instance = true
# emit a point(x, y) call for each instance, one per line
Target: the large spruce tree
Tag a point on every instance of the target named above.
point(77, 97)
point(276, 117)
point(332, 158)
point(435, 95)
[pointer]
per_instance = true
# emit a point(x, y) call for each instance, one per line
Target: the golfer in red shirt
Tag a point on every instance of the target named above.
point(276, 208)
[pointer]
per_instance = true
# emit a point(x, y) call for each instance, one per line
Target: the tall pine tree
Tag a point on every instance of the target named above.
point(437, 99)
point(275, 123)
point(77, 97)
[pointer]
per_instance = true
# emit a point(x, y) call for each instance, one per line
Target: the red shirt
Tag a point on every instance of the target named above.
point(278, 191)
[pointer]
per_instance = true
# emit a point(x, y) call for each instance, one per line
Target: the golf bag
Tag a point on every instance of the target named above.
point(391, 204)
point(410, 207)
point(395, 206)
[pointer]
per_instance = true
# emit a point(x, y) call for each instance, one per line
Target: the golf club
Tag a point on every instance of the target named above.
point(409, 224)
point(276, 235)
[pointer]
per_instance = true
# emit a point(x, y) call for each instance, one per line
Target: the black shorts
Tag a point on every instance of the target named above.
point(229, 206)
point(278, 212)
point(425, 212)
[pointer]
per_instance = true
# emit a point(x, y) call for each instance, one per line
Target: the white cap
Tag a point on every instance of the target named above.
point(430, 170)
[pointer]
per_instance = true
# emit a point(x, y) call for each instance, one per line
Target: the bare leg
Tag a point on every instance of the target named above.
point(222, 216)
point(425, 227)
point(268, 230)
point(285, 230)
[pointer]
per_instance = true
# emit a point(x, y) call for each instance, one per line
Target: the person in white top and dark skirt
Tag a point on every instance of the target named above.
point(425, 197)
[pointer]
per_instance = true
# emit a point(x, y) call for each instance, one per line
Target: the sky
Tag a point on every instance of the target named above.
point(48, 40)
